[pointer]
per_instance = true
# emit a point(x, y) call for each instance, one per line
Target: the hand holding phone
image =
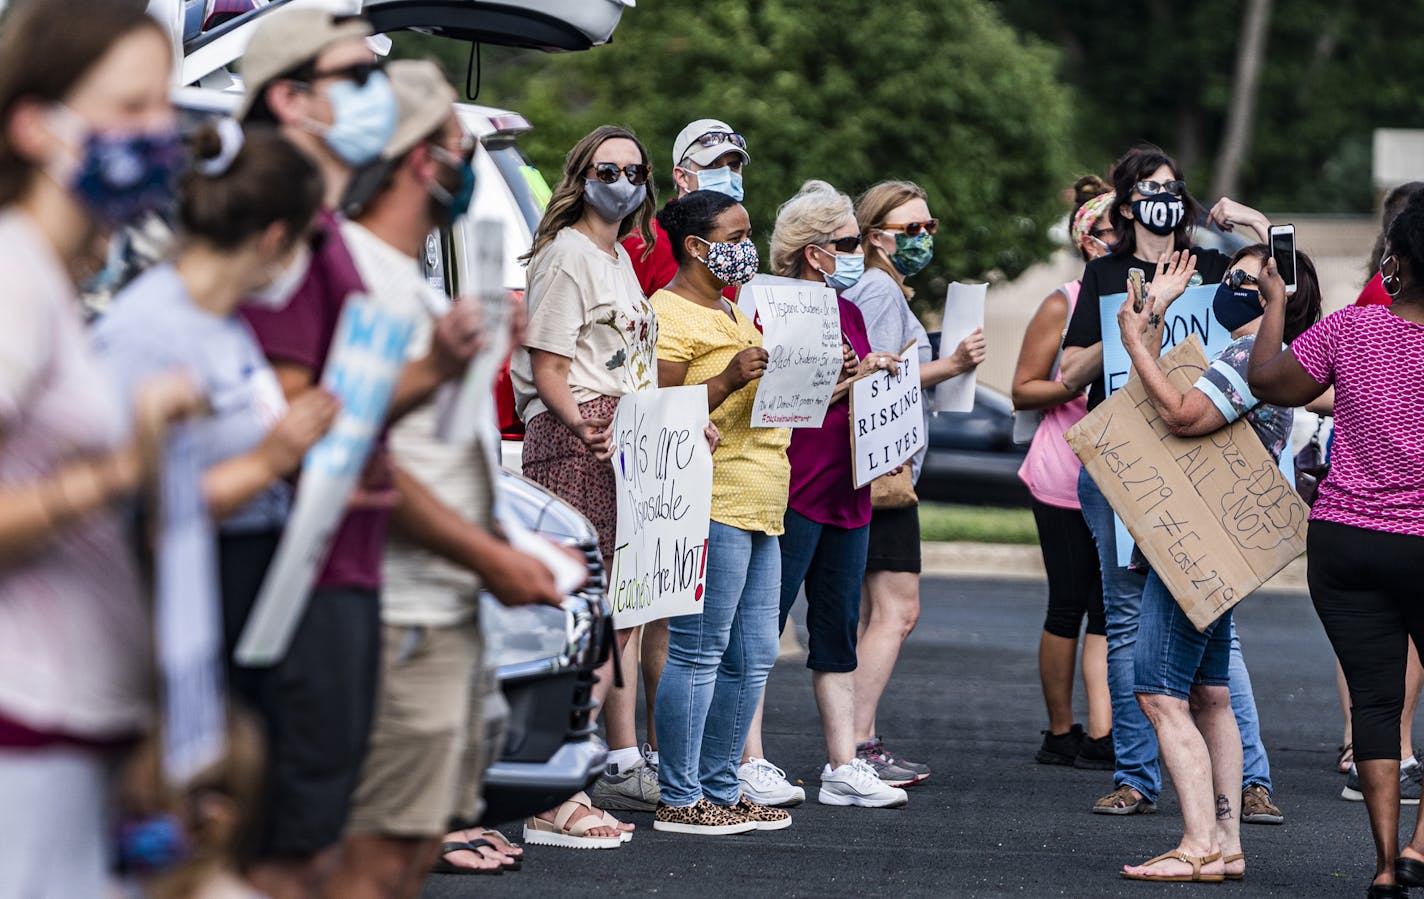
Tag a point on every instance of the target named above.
point(1137, 278)
point(1283, 252)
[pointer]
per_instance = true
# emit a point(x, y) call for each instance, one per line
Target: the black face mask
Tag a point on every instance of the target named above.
point(1235, 308)
point(1160, 214)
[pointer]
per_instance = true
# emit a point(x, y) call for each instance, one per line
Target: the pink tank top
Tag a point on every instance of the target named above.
point(1051, 469)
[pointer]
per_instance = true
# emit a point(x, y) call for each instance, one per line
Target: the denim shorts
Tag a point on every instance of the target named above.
point(830, 562)
point(1171, 655)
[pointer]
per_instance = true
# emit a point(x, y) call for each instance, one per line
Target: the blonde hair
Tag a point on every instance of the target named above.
point(808, 219)
point(566, 202)
point(870, 210)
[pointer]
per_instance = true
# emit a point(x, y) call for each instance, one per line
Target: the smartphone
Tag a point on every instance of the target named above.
point(1283, 251)
point(1138, 277)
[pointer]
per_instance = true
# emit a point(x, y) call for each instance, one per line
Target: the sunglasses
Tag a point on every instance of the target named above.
point(1152, 188)
point(1100, 233)
point(609, 172)
point(1236, 277)
point(913, 229)
point(357, 73)
point(843, 244)
point(713, 138)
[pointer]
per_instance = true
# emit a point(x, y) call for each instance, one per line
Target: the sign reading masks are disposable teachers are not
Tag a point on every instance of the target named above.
point(801, 330)
point(662, 466)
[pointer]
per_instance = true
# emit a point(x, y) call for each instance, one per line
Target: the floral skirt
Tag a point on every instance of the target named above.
point(557, 460)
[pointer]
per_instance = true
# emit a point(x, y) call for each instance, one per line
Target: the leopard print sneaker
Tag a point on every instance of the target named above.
point(703, 818)
point(765, 817)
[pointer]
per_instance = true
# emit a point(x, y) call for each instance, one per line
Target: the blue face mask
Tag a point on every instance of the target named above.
point(121, 175)
point(723, 180)
point(455, 202)
point(849, 268)
point(363, 118)
point(1236, 308)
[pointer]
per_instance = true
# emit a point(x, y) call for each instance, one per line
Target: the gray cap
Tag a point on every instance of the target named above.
point(424, 100)
point(286, 40)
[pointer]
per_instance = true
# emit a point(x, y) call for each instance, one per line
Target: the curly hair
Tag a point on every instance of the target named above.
point(1135, 165)
point(692, 215)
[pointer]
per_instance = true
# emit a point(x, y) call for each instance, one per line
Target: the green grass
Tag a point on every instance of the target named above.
point(939, 521)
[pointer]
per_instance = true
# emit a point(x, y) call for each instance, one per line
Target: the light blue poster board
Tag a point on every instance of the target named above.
point(1190, 314)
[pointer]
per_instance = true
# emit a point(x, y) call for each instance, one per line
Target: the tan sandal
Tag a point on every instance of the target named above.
point(1228, 859)
point(567, 833)
point(1195, 877)
point(610, 821)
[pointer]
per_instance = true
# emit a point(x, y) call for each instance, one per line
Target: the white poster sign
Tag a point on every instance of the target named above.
point(361, 371)
point(887, 418)
point(963, 313)
point(801, 330)
point(463, 408)
point(663, 468)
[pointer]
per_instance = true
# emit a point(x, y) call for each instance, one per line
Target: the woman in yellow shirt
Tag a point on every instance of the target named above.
point(718, 661)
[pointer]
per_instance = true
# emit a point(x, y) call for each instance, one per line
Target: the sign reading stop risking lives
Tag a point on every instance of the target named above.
point(887, 418)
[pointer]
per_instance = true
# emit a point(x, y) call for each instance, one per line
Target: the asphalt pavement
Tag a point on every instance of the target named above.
point(990, 822)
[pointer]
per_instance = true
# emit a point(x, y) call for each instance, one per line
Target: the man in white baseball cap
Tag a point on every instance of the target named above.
point(707, 155)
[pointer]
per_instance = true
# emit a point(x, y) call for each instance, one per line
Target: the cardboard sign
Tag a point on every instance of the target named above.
point(887, 418)
point(1213, 514)
point(963, 312)
point(361, 371)
point(663, 469)
point(801, 330)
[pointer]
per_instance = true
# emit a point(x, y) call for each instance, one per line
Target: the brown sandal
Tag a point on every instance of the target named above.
point(1228, 859)
point(1195, 877)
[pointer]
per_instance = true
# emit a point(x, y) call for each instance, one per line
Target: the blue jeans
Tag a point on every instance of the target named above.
point(716, 669)
point(1134, 741)
point(1172, 656)
point(830, 561)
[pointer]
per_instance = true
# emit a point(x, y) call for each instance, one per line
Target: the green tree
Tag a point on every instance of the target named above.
point(944, 94)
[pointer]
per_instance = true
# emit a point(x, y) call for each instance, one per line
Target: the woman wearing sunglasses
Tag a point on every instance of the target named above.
point(1152, 216)
point(897, 233)
point(1075, 587)
point(591, 338)
point(1182, 677)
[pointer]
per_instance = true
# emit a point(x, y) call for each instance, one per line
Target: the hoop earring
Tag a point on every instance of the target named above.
point(1391, 281)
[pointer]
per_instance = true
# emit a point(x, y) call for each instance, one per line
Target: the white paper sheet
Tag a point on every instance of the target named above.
point(801, 330)
point(963, 312)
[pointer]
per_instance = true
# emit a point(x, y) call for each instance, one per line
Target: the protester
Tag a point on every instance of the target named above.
point(75, 646)
point(827, 527)
point(897, 233)
point(1153, 215)
point(591, 339)
point(313, 75)
point(1050, 470)
point(1175, 663)
point(1373, 293)
point(1365, 548)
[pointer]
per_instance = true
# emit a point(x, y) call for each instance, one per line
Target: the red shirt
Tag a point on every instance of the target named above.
point(300, 333)
point(1374, 293)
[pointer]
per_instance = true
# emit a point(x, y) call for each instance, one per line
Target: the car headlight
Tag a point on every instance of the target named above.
point(524, 641)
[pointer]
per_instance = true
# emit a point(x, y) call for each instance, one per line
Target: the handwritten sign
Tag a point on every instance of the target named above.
point(361, 371)
point(963, 313)
point(663, 469)
point(801, 330)
point(887, 418)
point(1213, 514)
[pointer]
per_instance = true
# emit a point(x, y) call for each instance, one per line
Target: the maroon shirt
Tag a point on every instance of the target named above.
point(822, 477)
point(300, 333)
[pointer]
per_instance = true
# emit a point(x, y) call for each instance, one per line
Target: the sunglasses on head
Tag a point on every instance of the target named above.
point(843, 244)
point(713, 138)
point(1236, 277)
point(1151, 188)
point(913, 229)
point(357, 73)
point(609, 172)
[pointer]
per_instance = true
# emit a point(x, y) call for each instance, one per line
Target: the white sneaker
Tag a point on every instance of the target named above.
point(855, 783)
point(765, 784)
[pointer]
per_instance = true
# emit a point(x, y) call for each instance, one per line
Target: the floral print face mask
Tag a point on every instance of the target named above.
point(732, 263)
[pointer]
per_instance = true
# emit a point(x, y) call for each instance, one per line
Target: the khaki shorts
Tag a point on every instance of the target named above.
point(427, 754)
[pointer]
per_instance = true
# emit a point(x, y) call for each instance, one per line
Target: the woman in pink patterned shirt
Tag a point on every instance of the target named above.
point(1366, 542)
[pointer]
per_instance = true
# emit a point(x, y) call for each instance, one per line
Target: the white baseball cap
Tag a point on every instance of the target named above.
point(705, 141)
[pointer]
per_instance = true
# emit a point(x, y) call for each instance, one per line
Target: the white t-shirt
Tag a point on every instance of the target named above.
point(586, 304)
point(421, 588)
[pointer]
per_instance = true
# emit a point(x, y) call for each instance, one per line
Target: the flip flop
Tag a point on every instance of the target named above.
point(1195, 877)
point(1228, 859)
point(514, 851)
point(1409, 872)
point(444, 867)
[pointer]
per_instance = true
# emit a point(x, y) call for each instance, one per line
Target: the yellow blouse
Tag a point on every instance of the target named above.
point(750, 473)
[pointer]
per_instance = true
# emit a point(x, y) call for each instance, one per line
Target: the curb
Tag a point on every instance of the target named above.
point(1018, 562)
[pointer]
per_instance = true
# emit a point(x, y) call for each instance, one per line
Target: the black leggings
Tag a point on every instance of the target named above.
point(1075, 584)
point(1366, 586)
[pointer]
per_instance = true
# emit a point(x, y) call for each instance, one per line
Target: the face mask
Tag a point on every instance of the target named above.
point(723, 180)
point(613, 202)
point(732, 263)
point(278, 293)
point(912, 254)
point(363, 118)
point(150, 845)
point(457, 202)
point(849, 268)
point(120, 176)
point(1236, 308)
point(1160, 214)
